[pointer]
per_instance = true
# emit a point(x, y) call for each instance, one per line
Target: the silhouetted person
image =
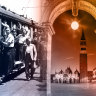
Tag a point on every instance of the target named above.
point(8, 52)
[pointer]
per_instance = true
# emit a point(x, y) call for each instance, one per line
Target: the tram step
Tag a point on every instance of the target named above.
point(16, 69)
point(18, 64)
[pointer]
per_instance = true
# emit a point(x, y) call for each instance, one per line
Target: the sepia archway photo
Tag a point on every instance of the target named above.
point(69, 48)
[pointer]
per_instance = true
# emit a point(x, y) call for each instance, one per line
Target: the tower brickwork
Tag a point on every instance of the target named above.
point(83, 59)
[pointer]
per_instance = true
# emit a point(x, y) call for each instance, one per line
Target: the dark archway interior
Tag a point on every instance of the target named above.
point(66, 42)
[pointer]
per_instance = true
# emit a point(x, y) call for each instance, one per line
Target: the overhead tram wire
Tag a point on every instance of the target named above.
point(25, 8)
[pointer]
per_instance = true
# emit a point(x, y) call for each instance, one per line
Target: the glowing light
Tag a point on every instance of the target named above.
point(74, 25)
point(95, 31)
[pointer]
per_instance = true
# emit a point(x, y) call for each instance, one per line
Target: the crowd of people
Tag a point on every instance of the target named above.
point(16, 45)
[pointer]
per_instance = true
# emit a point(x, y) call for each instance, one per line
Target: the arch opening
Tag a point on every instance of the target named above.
point(67, 5)
point(67, 41)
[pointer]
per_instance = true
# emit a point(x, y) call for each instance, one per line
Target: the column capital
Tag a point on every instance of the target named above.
point(48, 27)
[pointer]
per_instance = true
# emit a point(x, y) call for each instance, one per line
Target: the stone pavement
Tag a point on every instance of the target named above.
point(82, 89)
point(19, 86)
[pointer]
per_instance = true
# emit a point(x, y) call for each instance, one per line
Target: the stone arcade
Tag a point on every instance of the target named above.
point(52, 10)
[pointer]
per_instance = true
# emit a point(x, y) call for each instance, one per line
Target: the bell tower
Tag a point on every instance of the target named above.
point(83, 59)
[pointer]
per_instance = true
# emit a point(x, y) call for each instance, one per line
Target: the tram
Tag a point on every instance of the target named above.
point(14, 21)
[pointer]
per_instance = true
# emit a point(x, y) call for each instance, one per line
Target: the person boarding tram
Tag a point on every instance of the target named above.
point(22, 41)
point(8, 52)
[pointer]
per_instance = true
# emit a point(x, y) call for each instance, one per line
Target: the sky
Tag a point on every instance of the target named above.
point(22, 7)
point(66, 42)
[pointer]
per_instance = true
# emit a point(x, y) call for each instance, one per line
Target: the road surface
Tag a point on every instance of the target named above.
point(83, 89)
point(19, 86)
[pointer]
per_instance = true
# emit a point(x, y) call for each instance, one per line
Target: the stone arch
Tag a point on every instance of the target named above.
point(67, 5)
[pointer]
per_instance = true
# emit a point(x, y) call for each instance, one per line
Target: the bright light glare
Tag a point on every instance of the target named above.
point(74, 25)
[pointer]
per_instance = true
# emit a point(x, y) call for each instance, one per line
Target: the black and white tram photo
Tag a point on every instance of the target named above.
point(22, 42)
point(47, 47)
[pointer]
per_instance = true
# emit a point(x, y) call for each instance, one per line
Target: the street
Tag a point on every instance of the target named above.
point(19, 86)
point(83, 89)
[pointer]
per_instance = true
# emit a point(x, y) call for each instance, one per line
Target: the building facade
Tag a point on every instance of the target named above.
point(66, 76)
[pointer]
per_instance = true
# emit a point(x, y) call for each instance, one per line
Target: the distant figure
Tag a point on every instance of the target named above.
point(30, 59)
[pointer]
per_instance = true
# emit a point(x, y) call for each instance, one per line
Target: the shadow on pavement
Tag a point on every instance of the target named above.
point(20, 79)
point(13, 75)
point(42, 87)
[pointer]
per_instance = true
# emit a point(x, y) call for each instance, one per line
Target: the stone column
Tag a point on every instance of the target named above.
point(49, 64)
point(49, 31)
point(43, 54)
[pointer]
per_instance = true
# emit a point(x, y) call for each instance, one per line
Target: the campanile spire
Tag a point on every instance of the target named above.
point(83, 58)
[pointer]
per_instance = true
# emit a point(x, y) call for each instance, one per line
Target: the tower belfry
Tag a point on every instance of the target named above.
point(83, 59)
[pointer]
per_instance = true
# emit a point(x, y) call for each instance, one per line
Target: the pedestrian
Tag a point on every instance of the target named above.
point(30, 59)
